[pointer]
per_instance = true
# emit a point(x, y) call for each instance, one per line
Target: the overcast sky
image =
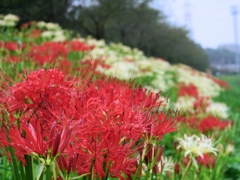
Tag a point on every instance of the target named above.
point(210, 21)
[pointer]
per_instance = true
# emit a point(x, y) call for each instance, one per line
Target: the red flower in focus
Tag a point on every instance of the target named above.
point(212, 123)
point(162, 125)
point(208, 161)
point(40, 94)
point(112, 119)
point(30, 140)
point(69, 164)
point(189, 90)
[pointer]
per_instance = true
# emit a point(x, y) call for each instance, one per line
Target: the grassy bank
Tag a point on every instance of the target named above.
point(231, 98)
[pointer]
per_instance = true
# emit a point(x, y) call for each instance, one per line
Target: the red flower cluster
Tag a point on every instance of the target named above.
point(198, 119)
point(220, 82)
point(212, 124)
point(208, 160)
point(188, 90)
point(89, 125)
point(77, 45)
point(48, 52)
point(208, 124)
point(12, 46)
point(55, 52)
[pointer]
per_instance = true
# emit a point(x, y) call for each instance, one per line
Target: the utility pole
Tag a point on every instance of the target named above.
point(235, 28)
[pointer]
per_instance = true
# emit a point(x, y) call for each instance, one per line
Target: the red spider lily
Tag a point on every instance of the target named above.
point(208, 161)
point(40, 88)
point(189, 90)
point(107, 151)
point(212, 123)
point(48, 52)
point(220, 82)
point(77, 45)
point(13, 46)
point(207, 124)
point(68, 165)
point(109, 103)
point(29, 140)
point(161, 125)
point(110, 117)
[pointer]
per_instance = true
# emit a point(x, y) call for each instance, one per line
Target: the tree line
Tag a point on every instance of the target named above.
point(131, 22)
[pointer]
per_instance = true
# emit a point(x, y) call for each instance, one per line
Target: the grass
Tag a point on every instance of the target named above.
point(232, 98)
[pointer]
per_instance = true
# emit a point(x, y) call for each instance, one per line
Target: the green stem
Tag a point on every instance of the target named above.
point(186, 170)
point(141, 161)
point(106, 170)
point(48, 172)
point(92, 170)
point(29, 167)
point(22, 171)
point(5, 160)
point(14, 162)
point(152, 176)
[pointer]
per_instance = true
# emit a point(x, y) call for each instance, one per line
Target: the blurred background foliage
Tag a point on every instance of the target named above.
point(130, 22)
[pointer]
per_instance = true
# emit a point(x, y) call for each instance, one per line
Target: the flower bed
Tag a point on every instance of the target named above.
point(75, 108)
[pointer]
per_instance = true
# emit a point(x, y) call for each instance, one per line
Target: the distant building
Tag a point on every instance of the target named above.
point(224, 59)
point(231, 47)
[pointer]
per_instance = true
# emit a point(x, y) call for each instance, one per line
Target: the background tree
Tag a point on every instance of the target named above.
point(131, 22)
point(40, 10)
point(220, 56)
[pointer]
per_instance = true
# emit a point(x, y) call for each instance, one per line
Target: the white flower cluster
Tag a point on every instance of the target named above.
point(217, 109)
point(185, 103)
point(205, 85)
point(126, 63)
point(196, 146)
point(52, 31)
point(8, 20)
point(166, 165)
point(48, 25)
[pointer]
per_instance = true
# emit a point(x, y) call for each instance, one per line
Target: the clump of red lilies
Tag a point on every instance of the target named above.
point(73, 126)
point(199, 119)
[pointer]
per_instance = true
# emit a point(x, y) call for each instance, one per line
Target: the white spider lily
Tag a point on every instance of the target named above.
point(196, 146)
point(166, 165)
point(11, 17)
